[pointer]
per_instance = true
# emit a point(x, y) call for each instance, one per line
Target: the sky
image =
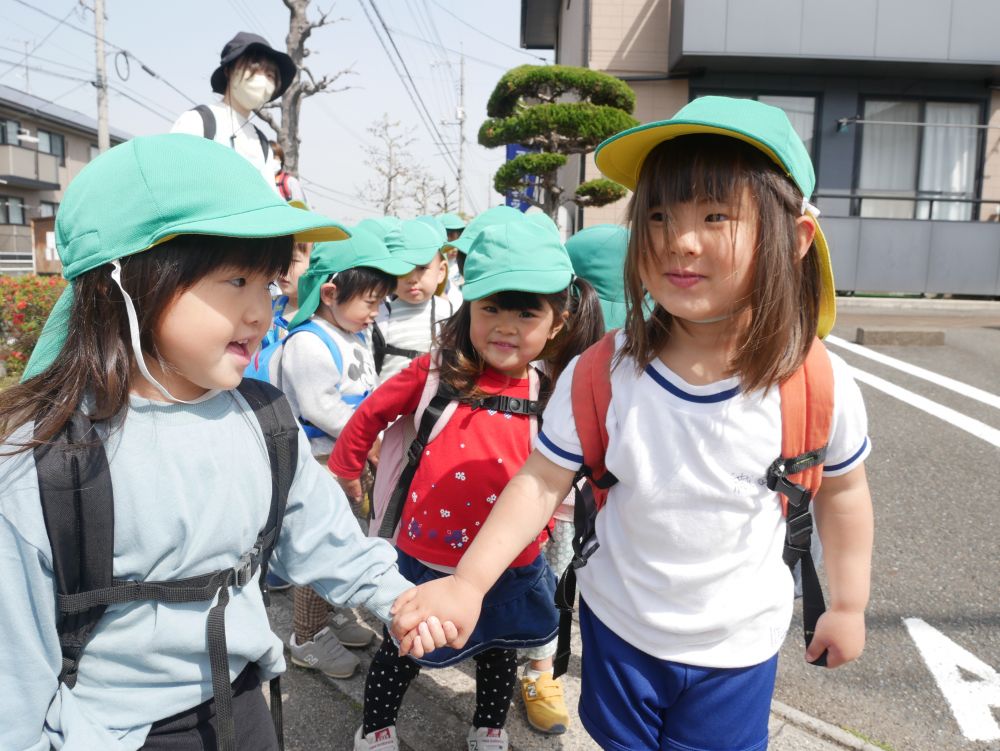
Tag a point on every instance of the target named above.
point(181, 40)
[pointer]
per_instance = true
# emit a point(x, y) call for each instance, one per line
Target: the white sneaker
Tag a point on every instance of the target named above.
point(380, 740)
point(486, 739)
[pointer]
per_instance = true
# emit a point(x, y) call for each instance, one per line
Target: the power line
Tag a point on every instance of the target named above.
point(449, 49)
point(149, 71)
point(59, 23)
point(414, 95)
point(483, 33)
point(44, 60)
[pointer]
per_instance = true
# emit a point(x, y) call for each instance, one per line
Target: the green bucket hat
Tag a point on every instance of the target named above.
point(416, 242)
point(151, 189)
point(490, 217)
point(451, 221)
point(381, 226)
point(545, 221)
point(517, 256)
point(762, 126)
point(362, 249)
point(434, 223)
point(598, 255)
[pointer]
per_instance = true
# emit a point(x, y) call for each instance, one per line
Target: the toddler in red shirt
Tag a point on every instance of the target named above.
point(522, 305)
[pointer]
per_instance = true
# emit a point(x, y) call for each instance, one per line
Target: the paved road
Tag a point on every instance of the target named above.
point(936, 489)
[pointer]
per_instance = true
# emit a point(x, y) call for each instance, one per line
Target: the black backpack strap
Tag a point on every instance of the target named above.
point(207, 121)
point(264, 145)
point(798, 536)
point(394, 511)
point(509, 404)
point(585, 544)
point(281, 435)
point(277, 423)
point(378, 347)
point(74, 486)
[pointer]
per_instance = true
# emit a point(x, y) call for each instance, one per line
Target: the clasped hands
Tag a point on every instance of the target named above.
point(439, 613)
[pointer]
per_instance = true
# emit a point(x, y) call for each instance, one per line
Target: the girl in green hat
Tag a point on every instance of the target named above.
point(686, 601)
point(145, 484)
point(522, 305)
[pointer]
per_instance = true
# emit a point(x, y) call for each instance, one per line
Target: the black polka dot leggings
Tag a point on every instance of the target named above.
point(389, 676)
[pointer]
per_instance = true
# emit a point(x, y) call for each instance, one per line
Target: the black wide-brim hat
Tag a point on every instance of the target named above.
point(243, 43)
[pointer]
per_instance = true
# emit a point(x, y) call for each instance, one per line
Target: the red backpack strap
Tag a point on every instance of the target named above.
point(806, 414)
point(591, 397)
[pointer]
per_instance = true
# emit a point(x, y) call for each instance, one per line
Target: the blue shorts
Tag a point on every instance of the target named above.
point(518, 612)
point(631, 701)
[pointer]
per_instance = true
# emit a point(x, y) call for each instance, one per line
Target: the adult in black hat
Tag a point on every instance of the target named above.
point(250, 74)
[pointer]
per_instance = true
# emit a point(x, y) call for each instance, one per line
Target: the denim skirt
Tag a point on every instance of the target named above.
point(519, 610)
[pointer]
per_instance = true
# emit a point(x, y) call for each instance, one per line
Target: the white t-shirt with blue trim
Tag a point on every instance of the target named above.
point(689, 566)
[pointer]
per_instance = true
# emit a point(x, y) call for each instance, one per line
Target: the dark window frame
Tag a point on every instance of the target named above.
point(5, 211)
point(3, 131)
point(863, 99)
point(756, 93)
point(51, 134)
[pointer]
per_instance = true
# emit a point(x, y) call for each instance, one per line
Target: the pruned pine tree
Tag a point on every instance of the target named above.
point(558, 110)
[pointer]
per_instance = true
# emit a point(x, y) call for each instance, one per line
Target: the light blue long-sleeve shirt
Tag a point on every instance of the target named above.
point(192, 489)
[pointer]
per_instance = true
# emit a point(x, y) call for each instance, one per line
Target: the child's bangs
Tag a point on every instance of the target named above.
point(197, 256)
point(514, 300)
point(697, 168)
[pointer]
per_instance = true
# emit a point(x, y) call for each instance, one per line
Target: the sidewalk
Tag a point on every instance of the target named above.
point(321, 713)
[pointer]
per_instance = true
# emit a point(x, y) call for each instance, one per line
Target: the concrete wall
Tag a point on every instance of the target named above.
point(940, 31)
point(655, 100)
point(629, 36)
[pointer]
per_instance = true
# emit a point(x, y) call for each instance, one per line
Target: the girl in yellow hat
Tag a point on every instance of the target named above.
point(687, 599)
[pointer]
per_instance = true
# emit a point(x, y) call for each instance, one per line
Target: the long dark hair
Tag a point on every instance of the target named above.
point(461, 365)
point(96, 359)
point(784, 298)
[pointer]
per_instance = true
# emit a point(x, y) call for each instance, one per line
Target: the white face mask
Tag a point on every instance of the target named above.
point(253, 92)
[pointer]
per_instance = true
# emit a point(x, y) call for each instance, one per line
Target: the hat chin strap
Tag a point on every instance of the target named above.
point(140, 361)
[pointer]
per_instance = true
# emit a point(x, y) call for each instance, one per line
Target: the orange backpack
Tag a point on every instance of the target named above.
point(806, 414)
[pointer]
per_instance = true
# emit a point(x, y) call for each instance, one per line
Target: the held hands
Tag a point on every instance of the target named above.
point(352, 489)
point(841, 633)
point(451, 599)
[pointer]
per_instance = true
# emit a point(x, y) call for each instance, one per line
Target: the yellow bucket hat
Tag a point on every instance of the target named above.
point(762, 126)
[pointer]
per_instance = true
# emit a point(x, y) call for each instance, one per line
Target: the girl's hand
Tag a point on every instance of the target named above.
point(352, 489)
point(449, 598)
point(374, 452)
point(427, 637)
point(842, 634)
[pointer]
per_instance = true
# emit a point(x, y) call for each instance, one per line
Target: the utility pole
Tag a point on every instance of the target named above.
point(27, 81)
point(103, 139)
point(461, 137)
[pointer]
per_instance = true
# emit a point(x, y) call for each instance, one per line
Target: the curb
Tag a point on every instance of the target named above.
point(819, 728)
point(914, 303)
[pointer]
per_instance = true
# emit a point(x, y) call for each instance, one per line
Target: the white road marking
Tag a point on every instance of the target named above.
point(958, 387)
point(970, 700)
point(975, 427)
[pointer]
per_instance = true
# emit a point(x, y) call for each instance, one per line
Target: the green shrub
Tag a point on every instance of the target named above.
point(25, 302)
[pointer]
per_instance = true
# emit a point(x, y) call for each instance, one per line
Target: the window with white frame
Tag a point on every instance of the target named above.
point(915, 156)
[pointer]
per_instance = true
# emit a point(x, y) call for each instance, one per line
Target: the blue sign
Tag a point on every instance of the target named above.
point(515, 197)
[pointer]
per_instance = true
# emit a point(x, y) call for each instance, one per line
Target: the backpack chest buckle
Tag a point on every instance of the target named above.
point(244, 569)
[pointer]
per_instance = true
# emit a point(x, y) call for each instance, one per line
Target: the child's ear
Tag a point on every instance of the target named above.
point(558, 324)
point(328, 293)
point(805, 232)
point(442, 270)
